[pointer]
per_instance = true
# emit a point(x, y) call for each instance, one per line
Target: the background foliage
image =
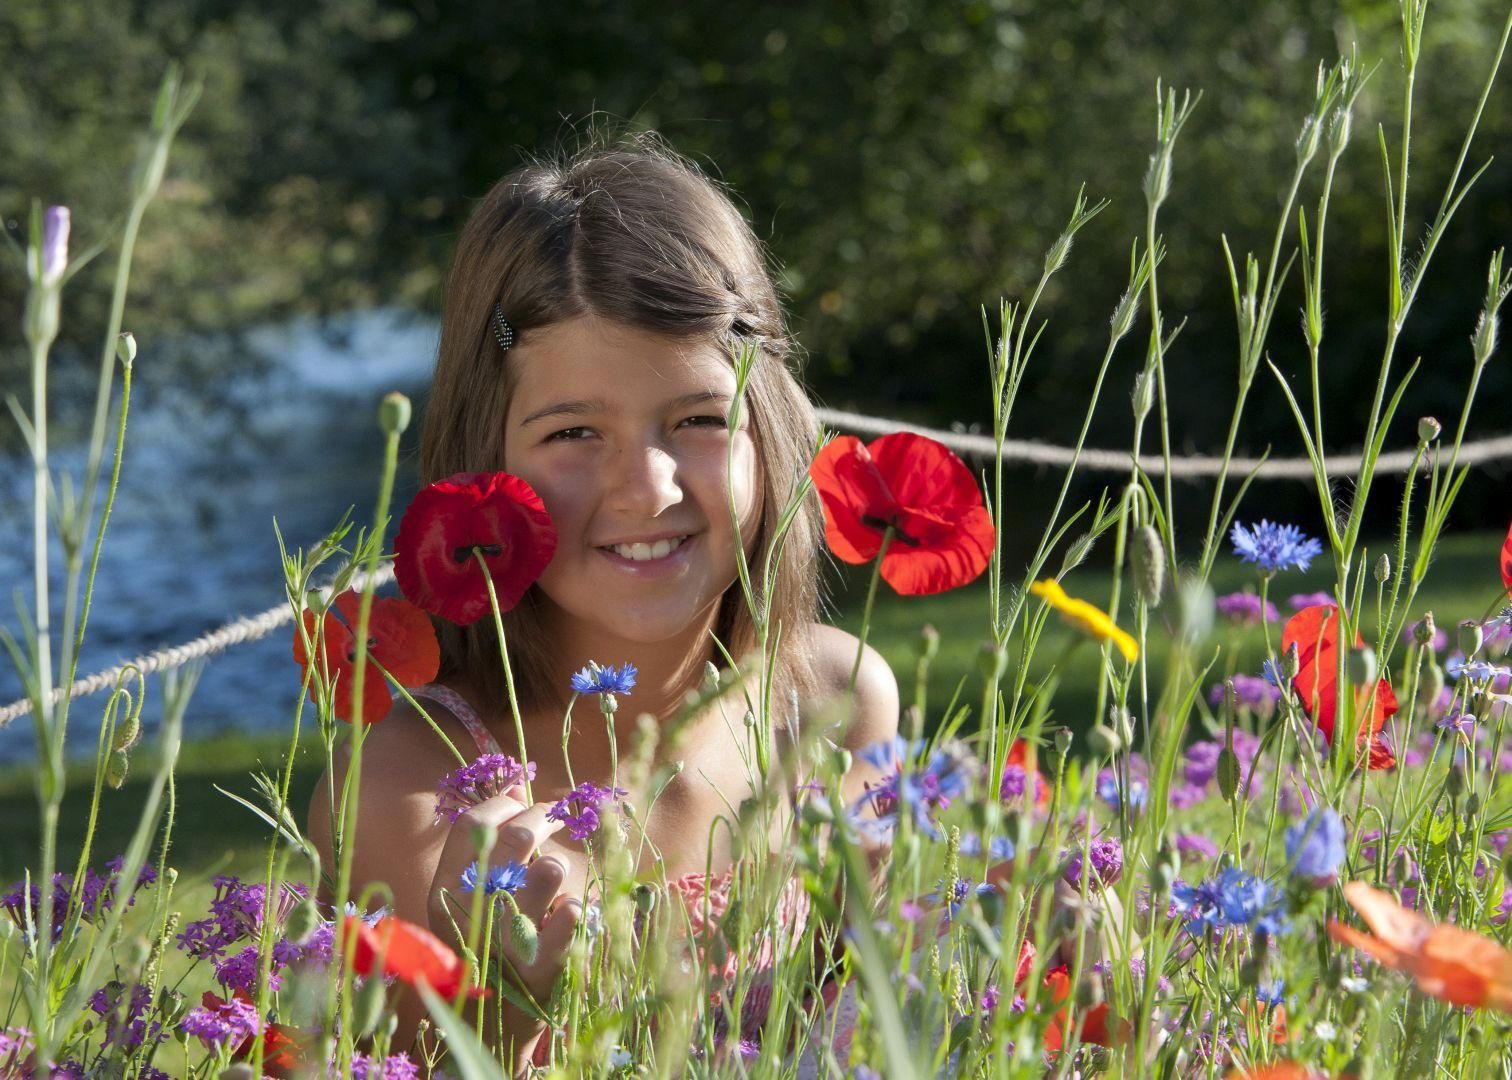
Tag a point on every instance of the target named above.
point(906, 160)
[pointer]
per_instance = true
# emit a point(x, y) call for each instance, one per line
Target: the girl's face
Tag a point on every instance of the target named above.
point(623, 434)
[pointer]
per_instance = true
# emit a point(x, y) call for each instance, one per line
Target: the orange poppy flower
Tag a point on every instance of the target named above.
point(408, 952)
point(1315, 632)
point(400, 637)
point(1453, 965)
point(1095, 1027)
point(1506, 561)
point(942, 533)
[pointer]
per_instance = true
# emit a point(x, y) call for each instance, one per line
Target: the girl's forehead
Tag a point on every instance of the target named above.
point(592, 358)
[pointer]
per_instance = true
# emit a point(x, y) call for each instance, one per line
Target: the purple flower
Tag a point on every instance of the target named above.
point(1108, 790)
point(921, 791)
point(1271, 994)
point(508, 878)
point(95, 896)
point(1463, 723)
point(393, 1067)
point(1456, 667)
point(999, 848)
point(580, 808)
point(1233, 898)
point(233, 1020)
point(1274, 547)
point(1298, 601)
point(467, 786)
point(124, 1027)
point(1184, 795)
point(235, 914)
point(1315, 847)
point(15, 1048)
point(239, 971)
point(1195, 846)
point(1202, 762)
point(1246, 608)
point(1252, 694)
point(990, 997)
point(604, 679)
point(55, 224)
point(1106, 857)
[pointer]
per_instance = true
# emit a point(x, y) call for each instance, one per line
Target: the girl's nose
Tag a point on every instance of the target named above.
point(643, 481)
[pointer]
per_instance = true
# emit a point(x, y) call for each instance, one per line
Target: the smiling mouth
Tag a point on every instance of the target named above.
point(648, 552)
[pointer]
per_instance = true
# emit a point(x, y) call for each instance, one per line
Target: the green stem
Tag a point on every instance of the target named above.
point(871, 596)
point(514, 701)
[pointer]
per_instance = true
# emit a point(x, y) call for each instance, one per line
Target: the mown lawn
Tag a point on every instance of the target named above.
point(214, 834)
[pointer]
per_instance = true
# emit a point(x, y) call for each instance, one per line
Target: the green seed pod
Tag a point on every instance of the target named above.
point(1454, 781)
point(1291, 662)
point(522, 934)
point(929, 643)
point(1432, 684)
point(992, 661)
point(1429, 429)
point(1471, 638)
point(1424, 629)
point(1147, 559)
point(126, 348)
point(116, 768)
point(1360, 665)
point(816, 812)
point(1228, 773)
point(1103, 741)
point(645, 898)
point(1063, 738)
point(127, 732)
point(394, 413)
point(1383, 569)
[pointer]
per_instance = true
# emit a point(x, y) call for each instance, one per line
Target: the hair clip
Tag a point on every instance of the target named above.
point(503, 332)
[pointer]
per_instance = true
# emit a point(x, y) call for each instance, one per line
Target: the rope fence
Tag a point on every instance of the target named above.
point(250, 628)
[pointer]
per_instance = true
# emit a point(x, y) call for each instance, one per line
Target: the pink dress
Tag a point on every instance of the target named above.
point(706, 901)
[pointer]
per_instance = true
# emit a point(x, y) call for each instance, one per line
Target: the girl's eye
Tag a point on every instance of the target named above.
point(572, 434)
point(707, 421)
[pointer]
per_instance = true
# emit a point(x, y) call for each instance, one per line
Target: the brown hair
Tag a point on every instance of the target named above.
point(640, 237)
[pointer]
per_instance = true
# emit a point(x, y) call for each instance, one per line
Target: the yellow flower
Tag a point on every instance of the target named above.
point(1086, 617)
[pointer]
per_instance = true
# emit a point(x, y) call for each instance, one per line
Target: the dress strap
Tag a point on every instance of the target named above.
point(455, 704)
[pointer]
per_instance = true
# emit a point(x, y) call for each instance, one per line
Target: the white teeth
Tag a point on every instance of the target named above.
point(646, 552)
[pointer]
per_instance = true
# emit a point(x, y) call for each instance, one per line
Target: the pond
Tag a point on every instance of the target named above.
point(206, 470)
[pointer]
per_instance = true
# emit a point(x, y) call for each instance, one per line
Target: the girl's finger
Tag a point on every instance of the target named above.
point(556, 930)
point(495, 811)
point(521, 835)
point(542, 883)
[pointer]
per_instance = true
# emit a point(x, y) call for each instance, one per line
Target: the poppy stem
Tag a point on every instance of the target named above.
point(871, 597)
point(514, 701)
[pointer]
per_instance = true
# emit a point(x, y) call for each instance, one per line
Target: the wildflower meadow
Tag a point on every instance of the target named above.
point(1294, 868)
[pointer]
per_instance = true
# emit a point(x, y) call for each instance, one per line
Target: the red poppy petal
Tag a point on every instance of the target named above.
point(940, 563)
point(405, 641)
point(850, 488)
point(1314, 630)
point(921, 472)
point(465, 511)
point(1506, 561)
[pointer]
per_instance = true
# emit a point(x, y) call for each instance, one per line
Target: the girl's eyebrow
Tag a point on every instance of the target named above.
point(580, 406)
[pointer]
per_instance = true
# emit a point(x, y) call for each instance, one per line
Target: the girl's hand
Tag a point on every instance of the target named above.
point(521, 833)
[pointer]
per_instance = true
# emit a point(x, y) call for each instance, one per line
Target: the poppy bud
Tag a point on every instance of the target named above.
point(1148, 560)
point(522, 934)
point(992, 661)
point(816, 812)
point(1472, 804)
point(929, 643)
point(1063, 740)
point(1089, 993)
point(116, 767)
point(127, 732)
point(1454, 780)
point(841, 760)
point(1228, 773)
point(1424, 629)
point(1291, 662)
point(711, 676)
point(645, 898)
point(394, 413)
point(1471, 638)
point(126, 348)
point(1429, 429)
point(1360, 665)
point(368, 1007)
point(1103, 741)
point(1383, 569)
point(1432, 685)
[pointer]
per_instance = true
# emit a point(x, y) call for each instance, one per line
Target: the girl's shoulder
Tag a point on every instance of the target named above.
point(874, 707)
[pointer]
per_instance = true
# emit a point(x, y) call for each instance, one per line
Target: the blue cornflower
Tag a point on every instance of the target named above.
point(1107, 791)
point(1315, 847)
point(1274, 547)
point(1271, 994)
point(1233, 898)
point(1201, 905)
point(509, 878)
point(888, 754)
point(999, 848)
point(922, 791)
point(1270, 671)
point(604, 679)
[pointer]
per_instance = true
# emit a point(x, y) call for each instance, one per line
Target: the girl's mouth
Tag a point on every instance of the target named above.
point(649, 559)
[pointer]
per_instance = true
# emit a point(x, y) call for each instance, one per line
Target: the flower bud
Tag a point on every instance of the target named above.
point(126, 348)
point(1383, 569)
point(1471, 638)
point(1147, 558)
point(1307, 140)
point(522, 934)
point(1144, 394)
point(55, 225)
point(1429, 429)
point(1454, 780)
point(992, 661)
point(1228, 773)
point(1103, 741)
point(711, 676)
point(645, 898)
point(929, 643)
point(1291, 662)
point(816, 812)
point(1424, 629)
point(608, 704)
point(749, 719)
point(1338, 131)
point(1432, 684)
point(1122, 723)
point(394, 413)
point(1063, 740)
point(841, 760)
point(116, 767)
point(1472, 804)
point(1360, 665)
point(127, 732)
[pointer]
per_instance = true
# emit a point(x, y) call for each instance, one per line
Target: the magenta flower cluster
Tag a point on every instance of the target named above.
point(97, 893)
point(582, 808)
point(467, 786)
point(1246, 608)
point(233, 1020)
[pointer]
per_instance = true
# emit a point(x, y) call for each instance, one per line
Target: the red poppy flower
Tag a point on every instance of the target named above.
point(406, 951)
point(497, 513)
point(400, 638)
point(1506, 561)
point(285, 1051)
point(1315, 632)
point(1094, 1022)
point(942, 534)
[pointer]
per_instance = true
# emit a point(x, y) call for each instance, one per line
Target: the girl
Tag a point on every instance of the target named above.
point(591, 315)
